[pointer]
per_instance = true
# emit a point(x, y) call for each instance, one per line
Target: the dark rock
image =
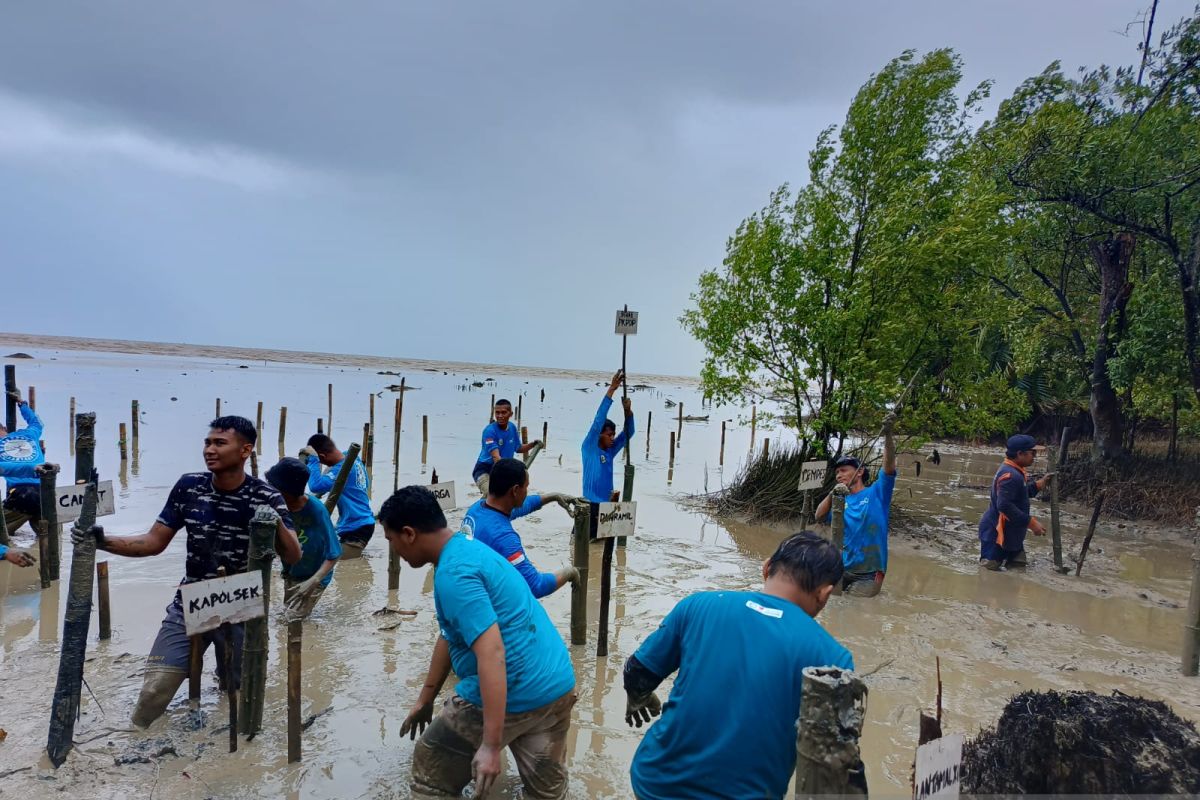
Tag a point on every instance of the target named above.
point(18, 355)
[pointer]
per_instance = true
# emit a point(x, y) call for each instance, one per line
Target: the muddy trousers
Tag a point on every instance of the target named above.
point(537, 740)
point(169, 660)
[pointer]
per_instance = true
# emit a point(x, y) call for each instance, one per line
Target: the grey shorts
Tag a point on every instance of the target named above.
point(537, 740)
point(172, 648)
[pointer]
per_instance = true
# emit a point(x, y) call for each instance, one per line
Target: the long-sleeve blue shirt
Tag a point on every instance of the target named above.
point(598, 463)
point(21, 450)
point(494, 529)
point(1007, 518)
point(353, 507)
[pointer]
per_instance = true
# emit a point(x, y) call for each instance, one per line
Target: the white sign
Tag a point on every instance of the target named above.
point(939, 769)
point(626, 323)
point(616, 519)
point(236, 598)
point(812, 475)
point(446, 496)
point(70, 500)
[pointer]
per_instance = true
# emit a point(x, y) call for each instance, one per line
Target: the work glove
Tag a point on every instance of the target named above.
point(15, 394)
point(889, 422)
point(641, 709)
point(80, 535)
point(567, 575)
point(307, 451)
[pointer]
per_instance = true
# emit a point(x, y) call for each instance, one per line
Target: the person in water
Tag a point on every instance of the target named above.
point(603, 444)
point(500, 439)
point(1003, 526)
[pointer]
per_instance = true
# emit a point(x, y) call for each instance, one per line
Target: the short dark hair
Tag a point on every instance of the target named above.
point(239, 425)
point(506, 473)
point(321, 443)
point(289, 476)
point(608, 425)
point(808, 560)
point(412, 506)
point(503, 402)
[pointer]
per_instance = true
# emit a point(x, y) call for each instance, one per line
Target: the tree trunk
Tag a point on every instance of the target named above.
point(1112, 258)
point(1188, 272)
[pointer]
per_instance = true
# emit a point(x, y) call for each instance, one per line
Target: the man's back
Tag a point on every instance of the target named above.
point(728, 728)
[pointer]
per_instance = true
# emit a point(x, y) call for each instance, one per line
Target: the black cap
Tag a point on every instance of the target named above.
point(1019, 442)
point(847, 461)
point(289, 476)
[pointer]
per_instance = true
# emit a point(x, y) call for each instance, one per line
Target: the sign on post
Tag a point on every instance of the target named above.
point(70, 500)
point(939, 769)
point(616, 519)
point(812, 475)
point(209, 604)
point(627, 322)
point(446, 495)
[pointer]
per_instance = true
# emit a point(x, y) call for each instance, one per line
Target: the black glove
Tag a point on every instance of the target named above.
point(641, 708)
point(79, 535)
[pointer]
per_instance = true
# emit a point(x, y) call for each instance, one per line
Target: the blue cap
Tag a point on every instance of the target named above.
point(1019, 442)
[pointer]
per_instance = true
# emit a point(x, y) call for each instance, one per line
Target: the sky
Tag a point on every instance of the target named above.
point(471, 181)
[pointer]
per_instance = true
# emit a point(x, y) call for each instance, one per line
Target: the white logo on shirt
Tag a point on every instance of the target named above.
point(766, 612)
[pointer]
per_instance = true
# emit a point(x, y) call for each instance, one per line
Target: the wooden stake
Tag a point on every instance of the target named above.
point(331, 408)
point(282, 428)
point(649, 417)
point(679, 429)
point(721, 456)
point(10, 405)
point(218, 406)
point(766, 448)
point(121, 442)
point(837, 525)
point(71, 427)
point(424, 438)
point(520, 405)
point(605, 596)
point(320, 425)
point(259, 428)
point(492, 409)
point(339, 483)
point(753, 423)
point(1191, 627)
point(254, 646)
point(579, 537)
point(545, 433)
point(43, 541)
point(626, 495)
point(524, 436)
point(32, 397)
point(102, 600)
point(1087, 540)
point(295, 640)
point(195, 670)
point(254, 463)
point(135, 421)
point(1055, 523)
point(832, 708)
point(671, 461)
point(48, 492)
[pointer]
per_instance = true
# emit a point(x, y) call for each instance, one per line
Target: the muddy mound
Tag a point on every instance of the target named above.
point(1084, 743)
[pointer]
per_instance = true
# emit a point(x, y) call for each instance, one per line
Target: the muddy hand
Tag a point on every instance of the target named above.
point(299, 594)
point(889, 422)
point(617, 377)
point(15, 394)
point(420, 716)
point(567, 575)
point(20, 558)
point(485, 768)
point(642, 709)
point(1037, 528)
point(307, 451)
point(627, 404)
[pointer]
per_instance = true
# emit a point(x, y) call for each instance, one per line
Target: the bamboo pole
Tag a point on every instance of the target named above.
point(294, 643)
point(424, 438)
point(330, 409)
point(753, 423)
point(218, 406)
point(766, 447)
point(254, 463)
point(282, 428)
point(10, 404)
point(4, 540)
point(320, 425)
point(343, 475)
point(828, 759)
point(1087, 540)
point(837, 525)
point(1055, 521)
point(227, 668)
point(121, 444)
point(43, 543)
point(258, 427)
point(1191, 628)
point(545, 433)
point(605, 596)
point(626, 495)
point(520, 405)
point(649, 418)
point(579, 537)
point(76, 620)
point(679, 426)
point(48, 494)
point(102, 600)
point(254, 647)
point(71, 426)
point(135, 421)
point(721, 456)
point(492, 409)
point(671, 458)
point(524, 435)
point(32, 398)
point(195, 669)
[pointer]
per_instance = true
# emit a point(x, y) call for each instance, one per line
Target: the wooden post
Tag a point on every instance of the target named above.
point(492, 409)
point(32, 397)
point(399, 414)
point(254, 646)
point(753, 423)
point(76, 620)
point(331, 409)
point(254, 463)
point(605, 596)
point(85, 448)
point(649, 417)
point(10, 405)
point(230, 692)
point(766, 448)
point(579, 538)
point(1087, 540)
point(320, 425)
point(1191, 626)
point(218, 406)
point(295, 640)
point(71, 427)
point(195, 669)
point(282, 428)
point(135, 421)
point(121, 444)
point(1055, 523)
point(679, 428)
point(546, 434)
point(424, 438)
point(626, 495)
point(339, 482)
point(837, 526)
point(520, 405)
point(671, 460)
point(258, 428)
point(47, 493)
point(102, 600)
point(721, 455)
point(4, 540)
point(524, 435)
point(366, 450)
point(43, 542)
point(393, 570)
point(832, 707)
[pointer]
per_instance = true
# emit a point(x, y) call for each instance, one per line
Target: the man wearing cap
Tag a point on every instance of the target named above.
point(1002, 529)
point(865, 534)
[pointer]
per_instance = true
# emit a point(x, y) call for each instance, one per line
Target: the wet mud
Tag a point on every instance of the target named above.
point(1117, 627)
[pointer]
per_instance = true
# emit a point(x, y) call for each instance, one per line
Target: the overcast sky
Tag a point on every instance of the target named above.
point(474, 181)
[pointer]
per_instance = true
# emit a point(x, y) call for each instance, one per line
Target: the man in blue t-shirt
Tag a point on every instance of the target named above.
point(500, 439)
point(304, 581)
point(490, 521)
point(20, 453)
point(728, 729)
point(865, 534)
point(602, 445)
point(515, 680)
point(356, 520)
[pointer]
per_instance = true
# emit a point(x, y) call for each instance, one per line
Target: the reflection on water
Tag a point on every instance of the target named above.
point(996, 634)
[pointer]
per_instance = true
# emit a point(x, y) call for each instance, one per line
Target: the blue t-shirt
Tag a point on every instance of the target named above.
point(493, 528)
point(506, 440)
point(354, 506)
point(473, 589)
point(865, 538)
point(21, 450)
point(318, 541)
point(734, 650)
point(597, 463)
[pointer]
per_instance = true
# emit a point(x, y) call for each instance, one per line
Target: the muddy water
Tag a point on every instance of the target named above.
point(1117, 627)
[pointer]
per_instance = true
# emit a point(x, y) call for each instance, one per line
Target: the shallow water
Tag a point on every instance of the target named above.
point(995, 633)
